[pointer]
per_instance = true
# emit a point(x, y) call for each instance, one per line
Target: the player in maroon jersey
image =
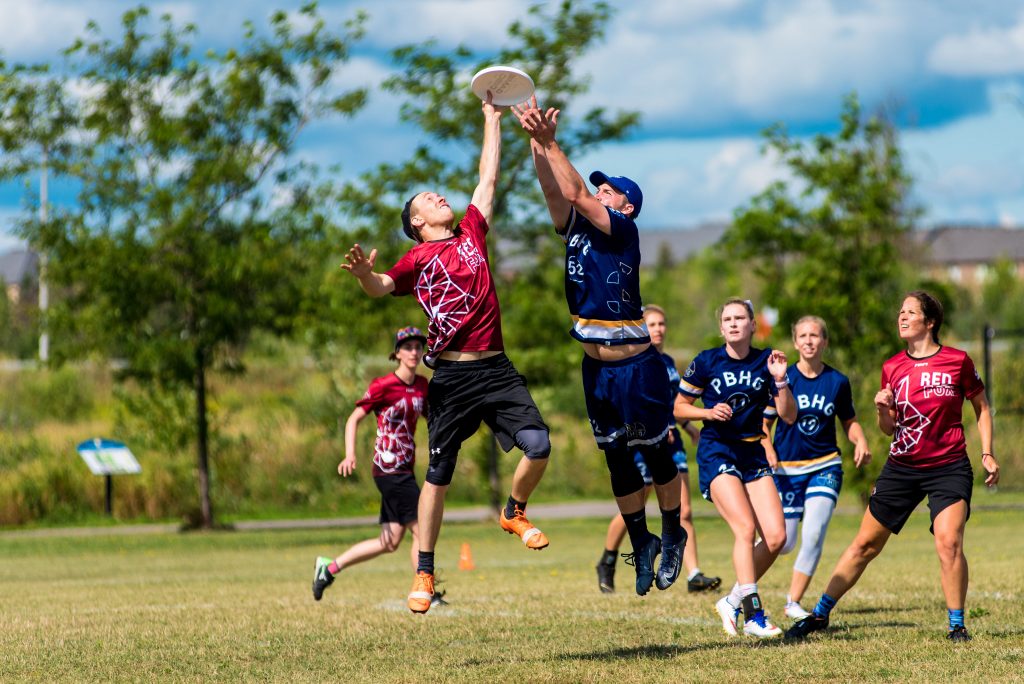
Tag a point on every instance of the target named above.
point(920, 405)
point(398, 400)
point(448, 270)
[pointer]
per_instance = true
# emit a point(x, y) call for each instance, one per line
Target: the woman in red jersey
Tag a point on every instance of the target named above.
point(920, 405)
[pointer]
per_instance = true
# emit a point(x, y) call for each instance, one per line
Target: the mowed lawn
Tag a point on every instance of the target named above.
point(237, 606)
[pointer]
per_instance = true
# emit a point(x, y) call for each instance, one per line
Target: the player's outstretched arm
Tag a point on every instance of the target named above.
point(348, 465)
point(541, 127)
point(361, 266)
point(490, 159)
point(558, 206)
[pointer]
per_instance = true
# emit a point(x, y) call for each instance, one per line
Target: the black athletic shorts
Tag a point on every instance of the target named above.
point(399, 498)
point(464, 393)
point(899, 489)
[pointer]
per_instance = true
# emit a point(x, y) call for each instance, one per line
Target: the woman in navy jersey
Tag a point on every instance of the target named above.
point(810, 472)
point(397, 400)
point(738, 386)
point(920, 405)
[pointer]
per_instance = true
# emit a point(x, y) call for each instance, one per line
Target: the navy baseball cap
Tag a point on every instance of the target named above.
point(624, 185)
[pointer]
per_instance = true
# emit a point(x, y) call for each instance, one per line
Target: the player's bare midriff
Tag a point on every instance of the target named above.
point(467, 355)
point(618, 352)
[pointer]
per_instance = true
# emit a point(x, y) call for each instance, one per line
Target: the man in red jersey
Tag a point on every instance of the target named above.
point(449, 273)
point(920, 405)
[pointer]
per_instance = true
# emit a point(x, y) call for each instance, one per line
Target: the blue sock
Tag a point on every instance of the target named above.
point(825, 605)
point(636, 526)
point(425, 562)
point(671, 532)
point(956, 618)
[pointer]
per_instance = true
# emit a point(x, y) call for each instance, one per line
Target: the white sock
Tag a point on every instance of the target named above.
point(693, 573)
point(735, 597)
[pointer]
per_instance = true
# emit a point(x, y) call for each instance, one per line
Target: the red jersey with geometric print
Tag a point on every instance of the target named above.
point(930, 394)
point(397, 406)
point(452, 281)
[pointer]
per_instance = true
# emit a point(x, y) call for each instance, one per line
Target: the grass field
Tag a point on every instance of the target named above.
point(237, 606)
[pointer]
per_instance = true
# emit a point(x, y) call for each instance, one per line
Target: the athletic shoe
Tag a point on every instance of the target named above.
point(643, 560)
point(438, 599)
point(422, 593)
point(759, 626)
point(322, 577)
point(795, 611)
point(701, 582)
point(958, 633)
point(671, 562)
point(531, 536)
point(811, 623)
point(729, 615)
point(606, 576)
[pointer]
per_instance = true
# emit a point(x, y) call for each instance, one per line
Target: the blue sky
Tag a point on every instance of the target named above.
point(707, 75)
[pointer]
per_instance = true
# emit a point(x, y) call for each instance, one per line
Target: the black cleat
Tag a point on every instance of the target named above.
point(671, 562)
point(643, 560)
point(438, 599)
point(606, 576)
point(811, 623)
point(958, 633)
point(322, 577)
point(701, 582)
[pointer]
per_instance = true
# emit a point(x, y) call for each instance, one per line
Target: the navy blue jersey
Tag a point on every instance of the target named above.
point(810, 443)
point(673, 377)
point(602, 280)
point(745, 384)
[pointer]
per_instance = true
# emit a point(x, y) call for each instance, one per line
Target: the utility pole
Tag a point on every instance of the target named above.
point(44, 290)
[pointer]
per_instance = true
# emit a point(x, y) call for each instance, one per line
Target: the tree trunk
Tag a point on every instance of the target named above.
point(206, 508)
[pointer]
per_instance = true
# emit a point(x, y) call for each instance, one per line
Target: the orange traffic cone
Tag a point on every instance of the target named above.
point(466, 558)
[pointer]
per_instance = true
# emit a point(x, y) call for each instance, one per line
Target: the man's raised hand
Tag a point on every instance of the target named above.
point(539, 124)
point(358, 264)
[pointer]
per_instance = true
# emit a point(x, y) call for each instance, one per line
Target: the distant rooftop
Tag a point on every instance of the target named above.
point(18, 266)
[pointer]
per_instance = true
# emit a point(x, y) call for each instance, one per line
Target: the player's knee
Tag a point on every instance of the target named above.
point(775, 539)
point(662, 465)
point(789, 545)
point(949, 546)
point(389, 544)
point(865, 549)
point(441, 470)
point(626, 479)
point(536, 444)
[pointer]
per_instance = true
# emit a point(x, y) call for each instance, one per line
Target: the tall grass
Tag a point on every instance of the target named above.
point(277, 442)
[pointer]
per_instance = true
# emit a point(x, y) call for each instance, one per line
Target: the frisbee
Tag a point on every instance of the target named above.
point(508, 85)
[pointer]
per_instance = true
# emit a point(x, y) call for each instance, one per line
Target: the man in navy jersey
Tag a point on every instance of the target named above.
point(449, 273)
point(624, 378)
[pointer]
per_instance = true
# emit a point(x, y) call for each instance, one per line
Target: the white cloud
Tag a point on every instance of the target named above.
point(481, 25)
point(981, 51)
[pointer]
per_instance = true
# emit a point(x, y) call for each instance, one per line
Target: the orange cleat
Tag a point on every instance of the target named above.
point(422, 592)
point(531, 536)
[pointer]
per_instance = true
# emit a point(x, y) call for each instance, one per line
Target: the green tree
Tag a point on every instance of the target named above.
point(37, 119)
point(171, 256)
point(830, 241)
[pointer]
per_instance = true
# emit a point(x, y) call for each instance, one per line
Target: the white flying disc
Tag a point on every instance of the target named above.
point(508, 85)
